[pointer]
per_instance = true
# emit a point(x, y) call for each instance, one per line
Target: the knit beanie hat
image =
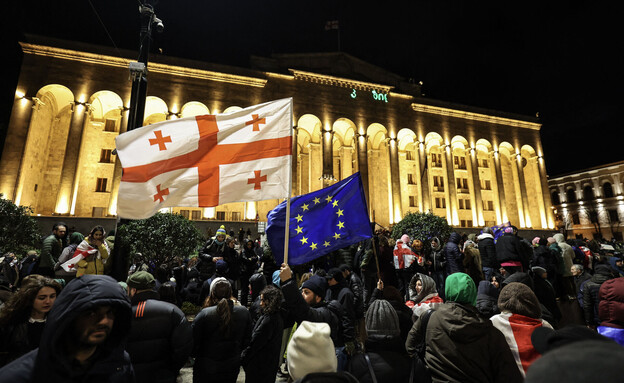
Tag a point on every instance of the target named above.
point(382, 321)
point(460, 288)
point(551, 240)
point(221, 231)
point(535, 241)
point(316, 284)
point(311, 350)
point(405, 239)
point(141, 280)
point(222, 267)
point(518, 298)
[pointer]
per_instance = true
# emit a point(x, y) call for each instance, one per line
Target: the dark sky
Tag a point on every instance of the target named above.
point(561, 59)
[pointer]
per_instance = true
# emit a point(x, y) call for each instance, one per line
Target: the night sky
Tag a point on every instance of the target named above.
point(563, 60)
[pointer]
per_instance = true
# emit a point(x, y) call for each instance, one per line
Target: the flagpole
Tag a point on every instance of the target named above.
point(287, 225)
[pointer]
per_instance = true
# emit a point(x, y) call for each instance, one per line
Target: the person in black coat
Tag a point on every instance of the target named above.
point(309, 303)
point(453, 255)
point(84, 337)
point(249, 265)
point(487, 299)
point(262, 357)
point(591, 288)
point(257, 283)
point(487, 250)
point(220, 332)
point(338, 291)
point(161, 339)
point(384, 347)
point(393, 296)
point(511, 253)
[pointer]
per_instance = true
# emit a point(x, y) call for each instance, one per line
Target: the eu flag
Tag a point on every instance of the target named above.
point(320, 222)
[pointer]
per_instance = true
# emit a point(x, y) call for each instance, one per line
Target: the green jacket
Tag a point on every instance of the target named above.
point(50, 251)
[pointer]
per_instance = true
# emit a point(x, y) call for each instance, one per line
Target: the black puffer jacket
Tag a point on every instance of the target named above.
point(343, 295)
point(50, 363)
point(487, 250)
point(591, 288)
point(160, 341)
point(509, 247)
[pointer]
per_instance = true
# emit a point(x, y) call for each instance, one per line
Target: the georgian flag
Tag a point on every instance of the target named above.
point(205, 161)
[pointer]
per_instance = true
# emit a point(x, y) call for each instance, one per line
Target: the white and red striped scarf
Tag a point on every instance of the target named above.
point(517, 330)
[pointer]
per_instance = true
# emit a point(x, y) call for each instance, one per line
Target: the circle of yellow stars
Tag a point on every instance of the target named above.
point(306, 207)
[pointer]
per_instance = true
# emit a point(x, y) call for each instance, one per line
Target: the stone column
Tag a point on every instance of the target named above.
point(548, 219)
point(423, 176)
point(395, 181)
point(473, 170)
point(112, 204)
point(617, 184)
point(500, 188)
point(363, 162)
point(451, 189)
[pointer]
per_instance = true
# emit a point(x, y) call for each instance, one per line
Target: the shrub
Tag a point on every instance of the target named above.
point(19, 231)
point(423, 226)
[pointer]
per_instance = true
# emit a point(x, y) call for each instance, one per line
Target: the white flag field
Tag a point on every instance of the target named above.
point(205, 161)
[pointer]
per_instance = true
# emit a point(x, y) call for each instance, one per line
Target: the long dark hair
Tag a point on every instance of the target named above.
point(220, 295)
point(272, 298)
point(17, 309)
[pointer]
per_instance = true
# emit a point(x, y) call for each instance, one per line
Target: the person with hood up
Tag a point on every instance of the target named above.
point(550, 309)
point(611, 310)
point(437, 265)
point(511, 253)
point(84, 337)
point(543, 257)
point(340, 292)
point(567, 254)
point(462, 345)
point(602, 273)
point(487, 296)
point(453, 255)
point(384, 347)
point(487, 250)
point(520, 316)
point(423, 295)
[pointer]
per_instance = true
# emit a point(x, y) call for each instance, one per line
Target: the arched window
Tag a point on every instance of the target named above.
point(555, 198)
point(570, 195)
point(588, 193)
point(607, 190)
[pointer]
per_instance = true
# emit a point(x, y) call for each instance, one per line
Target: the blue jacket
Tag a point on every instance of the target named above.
point(50, 362)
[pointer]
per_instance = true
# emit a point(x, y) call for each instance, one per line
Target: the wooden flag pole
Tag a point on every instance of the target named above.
point(287, 225)
point(376, 257)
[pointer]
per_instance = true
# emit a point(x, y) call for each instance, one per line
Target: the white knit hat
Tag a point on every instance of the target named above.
point(311, 350)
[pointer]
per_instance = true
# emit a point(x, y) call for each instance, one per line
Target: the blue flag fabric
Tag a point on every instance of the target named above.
point(498, 230)
point(320, 222)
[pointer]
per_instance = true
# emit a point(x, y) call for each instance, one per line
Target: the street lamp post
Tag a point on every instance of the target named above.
point(138, 73)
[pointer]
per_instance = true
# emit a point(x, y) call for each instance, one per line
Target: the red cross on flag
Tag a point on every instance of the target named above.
point(205, 161)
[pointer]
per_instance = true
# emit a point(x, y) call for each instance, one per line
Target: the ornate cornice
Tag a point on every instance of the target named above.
point(440, 111)
point(339, 81)
point(118, 62)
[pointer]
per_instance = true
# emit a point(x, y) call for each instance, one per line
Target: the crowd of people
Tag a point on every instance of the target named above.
point(472, 308)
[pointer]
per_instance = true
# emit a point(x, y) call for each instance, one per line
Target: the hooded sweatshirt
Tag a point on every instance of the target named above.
point(462, 345)
point(566, 252)
point(51, 363)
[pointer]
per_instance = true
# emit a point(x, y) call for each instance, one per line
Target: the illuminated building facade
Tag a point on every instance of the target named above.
point(473, 166)
point(590, 203)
